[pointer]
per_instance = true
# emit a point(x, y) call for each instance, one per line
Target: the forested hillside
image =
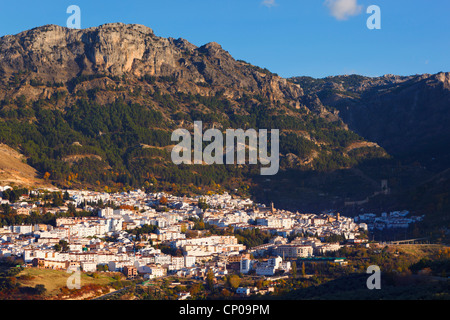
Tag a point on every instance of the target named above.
point(101, 116)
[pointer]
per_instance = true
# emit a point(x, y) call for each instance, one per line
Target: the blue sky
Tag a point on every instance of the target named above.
point(289, 37)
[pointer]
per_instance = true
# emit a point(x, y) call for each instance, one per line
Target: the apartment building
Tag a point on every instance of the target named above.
point(293, 251)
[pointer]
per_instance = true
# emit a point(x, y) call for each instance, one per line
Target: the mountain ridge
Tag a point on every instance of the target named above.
point(95, 96)
point(58, 54)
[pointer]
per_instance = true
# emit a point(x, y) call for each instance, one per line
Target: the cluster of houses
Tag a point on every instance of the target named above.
point(105, 241)
point(284, 223)
point(392, 220)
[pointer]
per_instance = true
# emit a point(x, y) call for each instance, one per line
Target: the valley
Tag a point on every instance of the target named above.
point(95, 108)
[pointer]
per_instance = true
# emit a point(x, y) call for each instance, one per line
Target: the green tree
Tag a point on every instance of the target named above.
point(66, 196)
point(294, 270)
point(40, 289)
point(64, 245)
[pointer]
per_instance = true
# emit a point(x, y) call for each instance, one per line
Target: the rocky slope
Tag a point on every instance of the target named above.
point(408, 116)
point(57, 55)
point(15, 171)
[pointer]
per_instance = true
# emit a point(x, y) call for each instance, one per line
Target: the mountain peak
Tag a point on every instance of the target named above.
point(212, 48)
point(120, 25)
point(212, 45)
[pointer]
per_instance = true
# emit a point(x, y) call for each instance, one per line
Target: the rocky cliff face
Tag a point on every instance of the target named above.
point(57, 54)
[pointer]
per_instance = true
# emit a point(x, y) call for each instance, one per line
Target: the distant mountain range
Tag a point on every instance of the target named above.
point(405, 115)
point(96, 107)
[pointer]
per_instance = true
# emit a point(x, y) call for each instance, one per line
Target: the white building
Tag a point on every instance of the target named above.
point(106, 212)
point(189, 261)
point(177, 263)
point(246, 265)
point(269, 267)
point(22, 229)
point(88, 266)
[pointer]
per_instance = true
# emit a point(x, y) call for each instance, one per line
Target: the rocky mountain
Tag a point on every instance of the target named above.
point(57, 55)
point(96, 107)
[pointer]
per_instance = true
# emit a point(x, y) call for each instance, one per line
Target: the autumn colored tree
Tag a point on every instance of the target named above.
point(163, 201)
point(226, 293)
point(259, 284)
point(210, 280)
point(195, 289)
point(234, 281)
